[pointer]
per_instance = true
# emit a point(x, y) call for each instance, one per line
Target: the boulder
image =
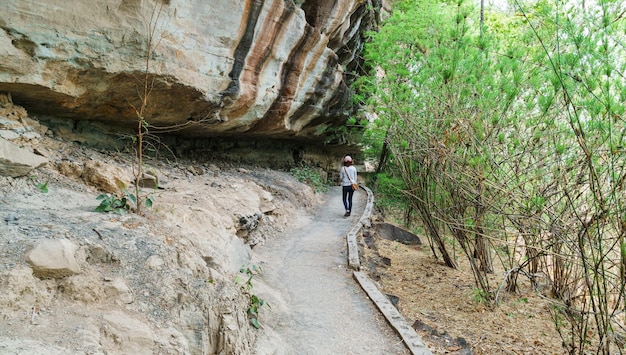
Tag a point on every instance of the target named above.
point(392, 232)
point(106, 177)
point(16, 161)
point(53, 259)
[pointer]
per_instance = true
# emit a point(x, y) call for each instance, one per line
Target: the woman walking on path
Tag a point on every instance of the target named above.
point(348, 180)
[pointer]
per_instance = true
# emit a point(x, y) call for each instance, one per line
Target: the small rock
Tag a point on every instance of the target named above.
point(393, 299)
point(149, 182)
point(118, 289)
point(195, 170)
point(53, 259)
point(11, 219)
point(99, 254)
point(386, 261)
point(155, 262)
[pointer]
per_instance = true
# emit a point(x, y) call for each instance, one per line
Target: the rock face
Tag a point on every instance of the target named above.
point(227, 68)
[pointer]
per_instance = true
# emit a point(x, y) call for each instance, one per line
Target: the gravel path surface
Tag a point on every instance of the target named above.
point(316, 306)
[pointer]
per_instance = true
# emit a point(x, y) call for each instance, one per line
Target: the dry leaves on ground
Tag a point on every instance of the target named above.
point(448, 308)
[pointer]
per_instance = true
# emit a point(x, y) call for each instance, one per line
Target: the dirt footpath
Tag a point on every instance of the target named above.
point(316, 306)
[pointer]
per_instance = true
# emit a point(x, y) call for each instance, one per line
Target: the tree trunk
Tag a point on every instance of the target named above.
point(482, 249)
point(383, 154)
point(434, 234)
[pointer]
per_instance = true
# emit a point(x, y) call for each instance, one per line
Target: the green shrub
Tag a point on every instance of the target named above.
point(388, 190)
point(255, 303)
point(311, 177)
point(111, 203)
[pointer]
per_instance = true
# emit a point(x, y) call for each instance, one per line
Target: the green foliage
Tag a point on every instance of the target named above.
point(255, 303)
point(480, 296)
point(311, 177)
point(248, 271)
point(43, 187)
point(149, 201)
point(512, 127)
point(390, 186)
point(146, 199)
point(389, 192)
point(253, 311)
point(111, 203)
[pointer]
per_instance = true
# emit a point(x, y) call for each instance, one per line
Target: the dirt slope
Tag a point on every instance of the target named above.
point(171, 274)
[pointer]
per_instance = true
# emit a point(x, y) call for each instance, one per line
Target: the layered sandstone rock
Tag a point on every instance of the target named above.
point(259, 68)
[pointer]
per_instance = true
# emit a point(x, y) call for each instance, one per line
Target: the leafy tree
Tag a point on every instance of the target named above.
point(509, 133)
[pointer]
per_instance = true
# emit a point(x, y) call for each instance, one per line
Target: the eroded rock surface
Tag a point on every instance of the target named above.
point(263, 68)
point(74, 281)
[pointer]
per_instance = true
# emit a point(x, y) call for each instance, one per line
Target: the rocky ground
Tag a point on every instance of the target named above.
point(75, 281)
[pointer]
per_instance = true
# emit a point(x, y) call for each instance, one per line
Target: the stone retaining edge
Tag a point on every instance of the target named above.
point(411, 339)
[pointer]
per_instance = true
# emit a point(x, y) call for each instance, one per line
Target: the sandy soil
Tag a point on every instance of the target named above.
point(182, 256)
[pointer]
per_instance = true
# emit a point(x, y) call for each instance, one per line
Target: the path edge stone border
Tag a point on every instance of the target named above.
point(411, 339)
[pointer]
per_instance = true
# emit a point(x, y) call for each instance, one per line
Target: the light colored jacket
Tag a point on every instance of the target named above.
point(346, 174)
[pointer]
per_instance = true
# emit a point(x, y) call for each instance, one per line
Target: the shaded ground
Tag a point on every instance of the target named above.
point(319, 309)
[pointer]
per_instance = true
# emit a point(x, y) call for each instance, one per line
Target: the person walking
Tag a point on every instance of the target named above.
point(348, 176)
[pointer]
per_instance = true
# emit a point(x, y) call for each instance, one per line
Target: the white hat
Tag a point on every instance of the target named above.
point(347, 159)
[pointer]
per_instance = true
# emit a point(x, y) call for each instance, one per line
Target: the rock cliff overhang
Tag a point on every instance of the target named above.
point(228, 68)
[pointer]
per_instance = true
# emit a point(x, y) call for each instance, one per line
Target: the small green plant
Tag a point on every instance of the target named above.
point(43, 187)
point(253, 310)
point(309, 176)
point(148, 200)
point(111, 203)
point(249, 271)
point(480, 296)
point(255, 303)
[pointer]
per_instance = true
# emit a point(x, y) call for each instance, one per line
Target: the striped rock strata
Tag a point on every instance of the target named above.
point(240, 68)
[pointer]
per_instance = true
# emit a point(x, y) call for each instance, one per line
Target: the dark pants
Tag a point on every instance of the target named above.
point(347, 194)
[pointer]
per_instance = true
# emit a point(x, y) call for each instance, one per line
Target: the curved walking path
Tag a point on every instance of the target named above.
point(317, 307)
